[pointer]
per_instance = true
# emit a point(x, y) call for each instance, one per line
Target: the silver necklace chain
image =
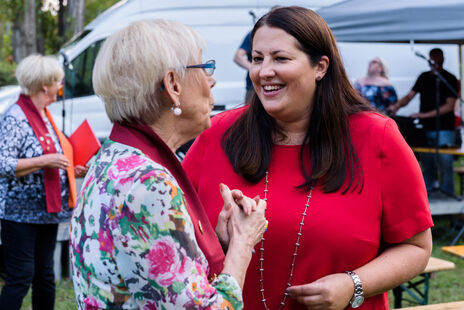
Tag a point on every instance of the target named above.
point(295, 253)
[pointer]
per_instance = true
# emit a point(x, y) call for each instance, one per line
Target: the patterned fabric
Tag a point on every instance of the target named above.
point(132, 241)
point(380, 97)
point(23, 199)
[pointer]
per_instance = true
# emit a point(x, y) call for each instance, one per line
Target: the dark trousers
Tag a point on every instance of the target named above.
point(28, 253)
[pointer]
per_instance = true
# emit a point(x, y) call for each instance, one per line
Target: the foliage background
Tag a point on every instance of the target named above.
point(53, 27)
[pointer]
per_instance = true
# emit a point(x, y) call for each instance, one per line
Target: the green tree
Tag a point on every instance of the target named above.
point(94, 7)
point(49, 27)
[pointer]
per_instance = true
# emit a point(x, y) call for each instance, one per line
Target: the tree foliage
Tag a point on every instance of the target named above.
point(50, 32)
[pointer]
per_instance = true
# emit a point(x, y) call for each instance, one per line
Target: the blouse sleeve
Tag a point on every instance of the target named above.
point(11, 138)
point(157, 253)
point(404, 198)
point(389, 95)
point(358, 88)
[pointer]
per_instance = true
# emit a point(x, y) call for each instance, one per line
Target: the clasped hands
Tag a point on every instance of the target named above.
point(241, 217)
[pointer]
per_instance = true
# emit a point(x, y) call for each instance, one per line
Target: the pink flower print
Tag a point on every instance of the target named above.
point(89, 180)
point(149, 306)
point(106, 243)
point(165, 263)
point(126, 164)
point(146, 176)
point(91, 303)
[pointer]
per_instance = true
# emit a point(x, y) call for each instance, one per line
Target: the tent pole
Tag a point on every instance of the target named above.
point(461, 80)
point(460, 101)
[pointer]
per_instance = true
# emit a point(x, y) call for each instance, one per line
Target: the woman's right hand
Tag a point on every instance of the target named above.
point(55, 161)
point(244, 232)
point(248, 229)
point(246, 222)
point(231, 198)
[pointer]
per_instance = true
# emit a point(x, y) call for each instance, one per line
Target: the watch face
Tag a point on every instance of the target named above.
point(357, 301)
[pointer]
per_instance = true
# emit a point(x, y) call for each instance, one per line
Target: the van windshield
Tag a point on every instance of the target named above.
point(74, 40)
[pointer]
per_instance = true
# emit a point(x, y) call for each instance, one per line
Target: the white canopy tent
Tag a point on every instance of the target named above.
point(425, 21)
point(398, 21)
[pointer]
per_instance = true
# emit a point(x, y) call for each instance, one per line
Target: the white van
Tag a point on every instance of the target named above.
point(223, 24)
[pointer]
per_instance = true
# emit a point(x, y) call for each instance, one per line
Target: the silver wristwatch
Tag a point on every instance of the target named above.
point(358, 296)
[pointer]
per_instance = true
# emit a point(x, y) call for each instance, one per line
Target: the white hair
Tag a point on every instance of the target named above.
point(132, 62)
point(36, 71)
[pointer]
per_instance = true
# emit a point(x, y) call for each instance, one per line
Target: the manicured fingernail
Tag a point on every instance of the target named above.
point(221, 187)
point(287, 292)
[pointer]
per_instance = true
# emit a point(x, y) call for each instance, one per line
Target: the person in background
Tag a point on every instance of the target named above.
point(375, 86)
point(342, 229)
point(37, 184)
point(140, 238)
point(242, 58)
point(426, 86)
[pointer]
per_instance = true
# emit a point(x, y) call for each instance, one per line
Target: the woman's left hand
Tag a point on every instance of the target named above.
point(80, 171)
point(332, 292)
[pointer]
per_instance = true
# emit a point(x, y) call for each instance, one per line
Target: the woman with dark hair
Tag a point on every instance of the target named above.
point(346, 202)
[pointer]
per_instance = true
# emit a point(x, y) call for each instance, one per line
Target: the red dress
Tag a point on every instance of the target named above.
point(340, 232)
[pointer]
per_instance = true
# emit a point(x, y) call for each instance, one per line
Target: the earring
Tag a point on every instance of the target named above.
point(176, 110)
point(318, 78)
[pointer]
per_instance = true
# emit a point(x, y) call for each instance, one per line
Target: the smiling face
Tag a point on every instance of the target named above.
point(283, 76)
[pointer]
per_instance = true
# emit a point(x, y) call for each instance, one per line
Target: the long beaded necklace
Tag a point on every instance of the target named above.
point(295, 253)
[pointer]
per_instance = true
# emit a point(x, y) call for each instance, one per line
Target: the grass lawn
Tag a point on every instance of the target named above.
point(444, 287)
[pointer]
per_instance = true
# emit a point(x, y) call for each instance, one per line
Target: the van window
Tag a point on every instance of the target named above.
point(79, 77)
point(75, 39)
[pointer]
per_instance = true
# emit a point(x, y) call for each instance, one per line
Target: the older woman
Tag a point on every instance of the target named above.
point(375, 87)
point(37, 187)
point(346, 202)
point(139, 236)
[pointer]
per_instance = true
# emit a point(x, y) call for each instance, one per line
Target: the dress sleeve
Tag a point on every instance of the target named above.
point(389, 95)
point(192, 162)
point(405, 209)
point(358, 88)
point(11, 139)
point(157, 254)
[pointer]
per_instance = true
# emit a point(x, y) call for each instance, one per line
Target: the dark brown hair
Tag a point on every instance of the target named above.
point(248, 143)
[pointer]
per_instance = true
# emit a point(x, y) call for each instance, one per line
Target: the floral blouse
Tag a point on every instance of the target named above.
point(23, 199)
point(133, 244)
point(380, 97)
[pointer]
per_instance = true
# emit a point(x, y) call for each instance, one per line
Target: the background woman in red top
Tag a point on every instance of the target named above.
point(344, 191)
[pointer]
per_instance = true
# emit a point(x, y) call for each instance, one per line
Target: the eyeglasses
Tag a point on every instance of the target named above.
point(208, 66)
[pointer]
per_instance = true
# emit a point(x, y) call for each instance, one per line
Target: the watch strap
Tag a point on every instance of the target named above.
point(358, 289)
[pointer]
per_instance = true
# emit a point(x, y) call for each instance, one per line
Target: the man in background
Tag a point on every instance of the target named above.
point(426, 86)
point(243, 58)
